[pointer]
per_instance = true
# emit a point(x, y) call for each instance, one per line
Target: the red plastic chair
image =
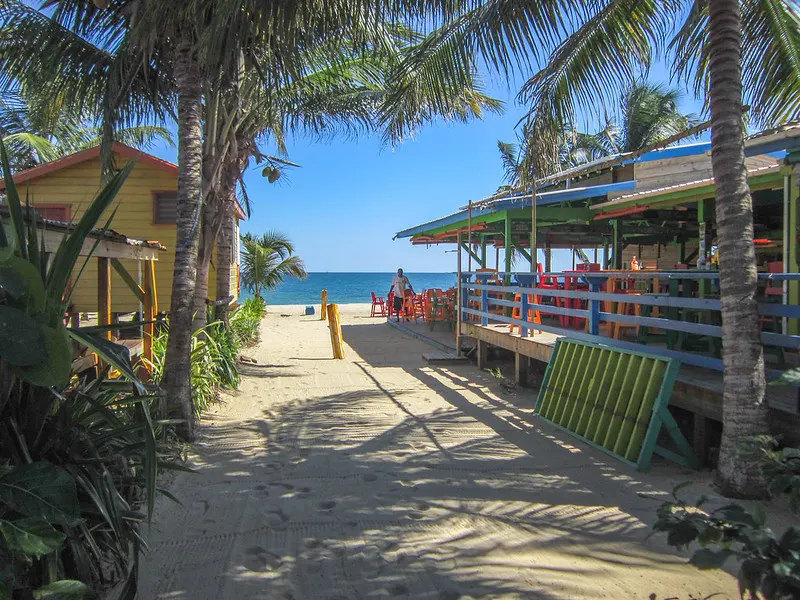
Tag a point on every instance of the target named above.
point(378, 306)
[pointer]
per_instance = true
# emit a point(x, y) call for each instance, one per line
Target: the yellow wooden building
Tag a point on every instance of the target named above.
point(145, 209)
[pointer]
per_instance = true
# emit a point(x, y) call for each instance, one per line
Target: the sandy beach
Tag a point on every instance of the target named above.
point(379, 476)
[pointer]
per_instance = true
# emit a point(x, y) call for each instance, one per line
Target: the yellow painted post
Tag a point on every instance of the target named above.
point(104, 293)
point(323, 309)
point(150, 308)
point(336, 331)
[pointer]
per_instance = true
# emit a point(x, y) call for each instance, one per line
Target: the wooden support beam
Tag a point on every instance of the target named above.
point(483, 354)
point(509, 244)
point(521, 369)
point(617, 244)
point(522, 251)
point(149, 308)
point(104, 293)
point(128, 279)
point(471, 253)
point(483, 252)
point(792, 189)
point(548, 256)
point(704, 211)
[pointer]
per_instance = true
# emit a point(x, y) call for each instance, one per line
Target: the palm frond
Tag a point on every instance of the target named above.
point(770, 57)
point(593, 65)
point(509, 154)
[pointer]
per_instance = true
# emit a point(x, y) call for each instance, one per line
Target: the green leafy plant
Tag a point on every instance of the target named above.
point(769, 565)
point(76, 458)
point(246, 319)
point(214, 351)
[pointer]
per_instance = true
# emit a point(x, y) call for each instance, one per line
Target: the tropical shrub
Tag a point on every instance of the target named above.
point(246, 319)
point(214, 352)
point(769, 565)
point(76, 459)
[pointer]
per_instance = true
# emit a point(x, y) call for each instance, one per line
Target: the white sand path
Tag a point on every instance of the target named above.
point(382, 477)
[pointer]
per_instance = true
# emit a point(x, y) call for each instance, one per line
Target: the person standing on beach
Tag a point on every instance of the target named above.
point(399, 285)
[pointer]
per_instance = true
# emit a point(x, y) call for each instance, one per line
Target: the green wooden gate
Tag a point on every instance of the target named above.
point(613, 399)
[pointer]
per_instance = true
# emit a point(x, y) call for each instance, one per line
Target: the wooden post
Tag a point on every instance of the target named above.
point(460, 290)
point(548, 256)
point(469, 238)
point(483, 252)
point(483, 354)
point(509, 247)
point(617, 244)
point(521, 369)
point(323, 309)
point(336, 331)
point(792, 191)
point(534, 253)
point(104, 293)
point(149, 308)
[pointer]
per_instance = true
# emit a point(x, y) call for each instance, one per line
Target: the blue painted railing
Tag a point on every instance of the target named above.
point(473, 293)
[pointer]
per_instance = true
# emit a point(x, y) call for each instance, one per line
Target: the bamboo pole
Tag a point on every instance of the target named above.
point(335, 326)
point(323, 309)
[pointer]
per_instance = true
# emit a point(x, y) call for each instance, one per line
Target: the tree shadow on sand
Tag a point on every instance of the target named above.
point(367, 494)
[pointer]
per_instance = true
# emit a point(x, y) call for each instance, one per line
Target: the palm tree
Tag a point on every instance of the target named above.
point(128, 56)
point(36, 130)
point(648, 115)
point(267, 260)
point(593, 53)
point(340, 91)
point(717, 50)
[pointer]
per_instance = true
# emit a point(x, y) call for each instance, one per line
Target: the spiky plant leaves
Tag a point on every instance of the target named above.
point(66, 589)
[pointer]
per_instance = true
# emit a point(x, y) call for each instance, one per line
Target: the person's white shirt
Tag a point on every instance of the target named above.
point(399, 285)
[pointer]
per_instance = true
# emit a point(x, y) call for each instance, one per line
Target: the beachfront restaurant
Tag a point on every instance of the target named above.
point(645, 224)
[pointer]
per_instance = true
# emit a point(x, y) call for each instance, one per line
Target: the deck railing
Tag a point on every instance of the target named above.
point(477, 304)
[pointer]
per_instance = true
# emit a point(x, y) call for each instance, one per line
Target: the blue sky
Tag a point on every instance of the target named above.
point(350, 196)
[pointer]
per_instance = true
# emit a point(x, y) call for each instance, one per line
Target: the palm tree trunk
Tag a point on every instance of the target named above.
point(217, 214)
point(177, 368)
point(745, 412)
point(200, 308)
point(224, 259)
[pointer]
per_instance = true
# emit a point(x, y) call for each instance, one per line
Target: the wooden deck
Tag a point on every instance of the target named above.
point(697, 390)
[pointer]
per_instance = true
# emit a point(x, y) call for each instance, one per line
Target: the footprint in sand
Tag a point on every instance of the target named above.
point(312, 543)
point(397, 589)
point(415, 515)
point(327, 505)
point(261, 560)
point(369, 477)
point(423, 506)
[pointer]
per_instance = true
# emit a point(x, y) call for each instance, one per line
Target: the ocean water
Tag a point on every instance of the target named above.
point(348, 288)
